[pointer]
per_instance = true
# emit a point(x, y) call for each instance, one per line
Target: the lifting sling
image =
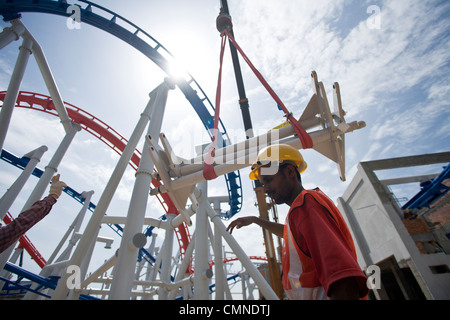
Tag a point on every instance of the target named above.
point(307, 143)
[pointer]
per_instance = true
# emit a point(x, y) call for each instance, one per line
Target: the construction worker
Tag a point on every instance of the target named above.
point(318, 258)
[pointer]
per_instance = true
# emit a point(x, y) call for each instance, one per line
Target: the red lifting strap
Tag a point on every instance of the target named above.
point(208, 170)
point(305, 138)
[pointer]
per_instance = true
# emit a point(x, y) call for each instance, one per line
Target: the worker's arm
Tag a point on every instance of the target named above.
point(12, 232)
point(272, 227)
point(27, 219)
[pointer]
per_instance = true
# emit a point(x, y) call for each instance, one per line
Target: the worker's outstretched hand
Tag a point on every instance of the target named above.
point(56, 187)
point(241, 222)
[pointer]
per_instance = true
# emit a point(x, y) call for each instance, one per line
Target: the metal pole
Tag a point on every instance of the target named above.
point(102, 269)
point(73, 293)
point(166, 259)
point(92, 228)
point(13, 88)
point(8, 198)
point(122, 283)
point(218, 260)
point(48, 78)
point(243, 276)
point(274, 270)
point(243, 101)
point(202, 273)
point(183, 266)
point(74, 228)
point(155, 270)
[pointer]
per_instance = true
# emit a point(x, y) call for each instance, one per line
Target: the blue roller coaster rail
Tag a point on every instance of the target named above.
point(151, 48)
point(430, 192)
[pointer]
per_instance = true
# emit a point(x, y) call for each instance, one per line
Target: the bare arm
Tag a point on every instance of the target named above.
point(272, 227)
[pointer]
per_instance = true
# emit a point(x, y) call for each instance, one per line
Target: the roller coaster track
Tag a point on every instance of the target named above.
point(431, 191)
point(109, 21)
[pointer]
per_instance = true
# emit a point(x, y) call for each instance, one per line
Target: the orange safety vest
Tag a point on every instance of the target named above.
point(300, 279)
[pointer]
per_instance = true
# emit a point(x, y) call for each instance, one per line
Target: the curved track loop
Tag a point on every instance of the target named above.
point(109, 21)
point(106, 134)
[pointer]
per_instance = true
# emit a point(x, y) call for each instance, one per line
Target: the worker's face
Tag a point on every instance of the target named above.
point(280, 186)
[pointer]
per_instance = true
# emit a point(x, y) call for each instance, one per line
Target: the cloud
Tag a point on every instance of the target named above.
point(287, 42)
point(439, 93)
point(326, 167)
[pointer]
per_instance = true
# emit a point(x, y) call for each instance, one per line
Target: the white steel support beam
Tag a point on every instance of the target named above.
point(148, 221)
point(74, 229)
point(183, 266)
point(156, 266)
point(13, 88)
point(169, 286)
point(220, 277)
point(97, 273)
point(122, 284)
point(166, 259)
point(202, 273)
point(83, 267)
point(47, 76)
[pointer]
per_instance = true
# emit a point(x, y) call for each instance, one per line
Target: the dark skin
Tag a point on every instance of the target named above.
point(284, 187)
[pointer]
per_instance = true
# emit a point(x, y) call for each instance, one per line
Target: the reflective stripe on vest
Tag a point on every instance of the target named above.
point(293, 270)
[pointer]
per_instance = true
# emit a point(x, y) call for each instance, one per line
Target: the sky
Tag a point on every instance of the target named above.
point(391, 59)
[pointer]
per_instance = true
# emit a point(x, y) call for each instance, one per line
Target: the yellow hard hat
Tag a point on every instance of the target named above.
point(277, 153)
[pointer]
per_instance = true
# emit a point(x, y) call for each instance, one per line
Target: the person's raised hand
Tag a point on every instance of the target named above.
point(56, 187)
